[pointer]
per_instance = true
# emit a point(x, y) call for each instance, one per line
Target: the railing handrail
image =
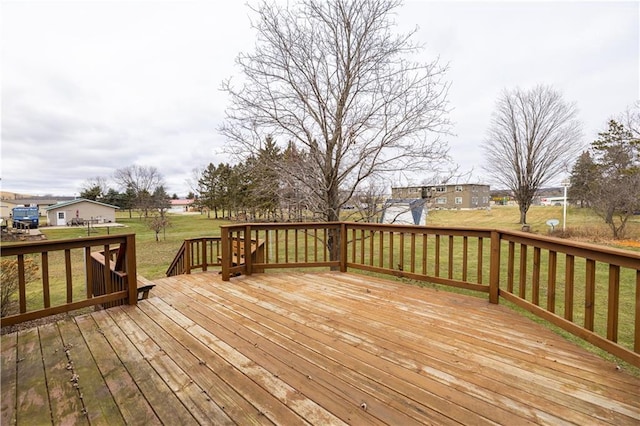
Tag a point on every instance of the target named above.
point(15, 249)
point(177, 259)
point(619, 257)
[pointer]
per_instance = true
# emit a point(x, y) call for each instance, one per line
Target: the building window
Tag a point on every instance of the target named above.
point(441, 200)
point(441, 189)
point(458, 188)
point(474, 201)
point(60, 215)
point(485, 200)
point(458, 200)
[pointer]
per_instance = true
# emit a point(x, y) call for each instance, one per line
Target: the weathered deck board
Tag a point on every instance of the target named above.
point(32, 398)
point(8, 344)
point(66, 404)
point(150, 383)
point(319, 348)
point(196, 358)
point(98, 401)
point(134, 408)
point(544, 385)
point(357, 367)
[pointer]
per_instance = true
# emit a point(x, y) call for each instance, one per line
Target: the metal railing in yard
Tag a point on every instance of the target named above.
point(69, 268)
point(590, 291)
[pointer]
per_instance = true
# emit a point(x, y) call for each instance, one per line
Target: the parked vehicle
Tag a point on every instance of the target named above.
point(25, 217)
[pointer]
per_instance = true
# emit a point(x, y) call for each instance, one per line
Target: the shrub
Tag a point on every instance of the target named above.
point(9, 282)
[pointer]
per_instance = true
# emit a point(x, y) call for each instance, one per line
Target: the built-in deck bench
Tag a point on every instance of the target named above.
point(144, 287)
point(238, 251)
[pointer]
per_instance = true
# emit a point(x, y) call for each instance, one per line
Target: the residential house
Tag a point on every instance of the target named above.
point(80, 209)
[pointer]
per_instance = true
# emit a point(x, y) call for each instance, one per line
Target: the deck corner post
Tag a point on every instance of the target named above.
point(132, 272)
point(494, 268)
point(226, 253)
point(343, 247)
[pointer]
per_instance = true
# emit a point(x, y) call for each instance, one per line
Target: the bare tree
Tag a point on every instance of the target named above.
point(630, 118)
point(533, 136)
point(143, 181)
point(368, 202)
point(333, 78)
point(94, 188)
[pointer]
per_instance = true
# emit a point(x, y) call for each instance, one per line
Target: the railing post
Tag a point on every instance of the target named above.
point(132, 273)
point(343, 246)
point(226, 253)
point(494, 268)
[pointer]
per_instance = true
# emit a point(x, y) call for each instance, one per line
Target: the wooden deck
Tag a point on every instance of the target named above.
point(321, 348)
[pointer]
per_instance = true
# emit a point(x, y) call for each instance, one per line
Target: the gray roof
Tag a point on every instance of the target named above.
point(39, 200)
point(76, 201)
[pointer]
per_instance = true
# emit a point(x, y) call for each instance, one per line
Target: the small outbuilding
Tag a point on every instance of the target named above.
point(405, 212)
point(79, 212)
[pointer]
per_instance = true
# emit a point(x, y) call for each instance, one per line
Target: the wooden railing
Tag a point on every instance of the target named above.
point(196, 254)
point(69, 268)
point(590, 291)
point(285, 245)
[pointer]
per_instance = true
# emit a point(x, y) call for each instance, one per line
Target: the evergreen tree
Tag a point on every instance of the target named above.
point(583, 174)
point(264, 179)
point(92, 193)
point(208, 187)
point(615, 193)
point(114, 198)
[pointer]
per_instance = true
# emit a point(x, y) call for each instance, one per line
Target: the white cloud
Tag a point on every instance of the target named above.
point(89, 87)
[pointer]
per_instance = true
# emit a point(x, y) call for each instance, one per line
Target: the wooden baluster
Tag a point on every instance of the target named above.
point(450, 259)
point(22, 285)
point(613, 303)
point(425, 253)
point(511, 261)
point(480, 259)
point(44, 256)
point(551, 281)
point(523, 271)
point(590, 294)
point(437, 257)
point(535, 280)
point(69, 272)
point(569, 285)
point(465, 257)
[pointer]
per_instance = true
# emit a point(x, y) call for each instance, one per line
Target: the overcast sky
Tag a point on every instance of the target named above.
point(89, 87)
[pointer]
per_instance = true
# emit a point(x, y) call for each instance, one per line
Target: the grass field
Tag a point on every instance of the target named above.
point(154, 257)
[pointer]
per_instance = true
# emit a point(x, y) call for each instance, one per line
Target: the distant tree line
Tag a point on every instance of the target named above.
point(264, 187)
point(259, 188)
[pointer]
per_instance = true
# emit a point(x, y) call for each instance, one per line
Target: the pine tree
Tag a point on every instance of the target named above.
point(615, 193)
point(583, 174)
